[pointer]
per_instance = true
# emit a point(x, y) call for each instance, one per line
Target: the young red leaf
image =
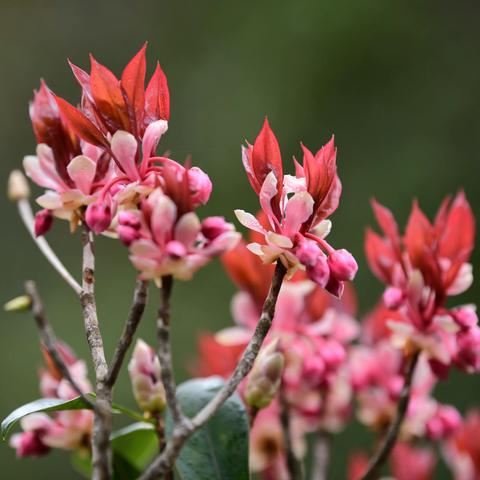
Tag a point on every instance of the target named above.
point(157, 97)
point(80, 124)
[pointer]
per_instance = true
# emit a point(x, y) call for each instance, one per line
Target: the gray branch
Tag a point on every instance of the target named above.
point(48, 338)
point(102, 424)
point(185, 427)
point(383, 452)
point(135, 315)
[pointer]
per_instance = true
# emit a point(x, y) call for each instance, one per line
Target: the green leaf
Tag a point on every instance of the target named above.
point(219, 450)
point(137, 444)
point(41, 405)
point(82, 463)
point(56, 405)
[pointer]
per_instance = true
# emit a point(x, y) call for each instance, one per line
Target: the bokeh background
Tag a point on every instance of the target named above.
point(396, 81)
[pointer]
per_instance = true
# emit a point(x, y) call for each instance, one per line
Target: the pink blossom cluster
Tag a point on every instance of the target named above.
point(421, 270)
point(67, 430)
point(99, 167)
point(296, 208)
point(313, 330)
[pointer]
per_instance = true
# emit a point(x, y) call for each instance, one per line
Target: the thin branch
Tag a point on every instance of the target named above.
point(383, 452)
point(293, 465)
point(321, 455)
point(134, 316)
point(26, 215)
point(102, 424)
point(48, 338)
point(186, 427)
point(164, 349)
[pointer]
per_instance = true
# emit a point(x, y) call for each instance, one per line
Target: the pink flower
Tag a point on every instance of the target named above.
point(169, 240)
point(412, 463)
point(297, 208)
point(421, 270)
point(30, 443)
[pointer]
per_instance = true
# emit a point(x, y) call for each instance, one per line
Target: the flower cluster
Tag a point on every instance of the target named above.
point(309, 342)
point(68, 430)
point(297, 210)
point(98, 165)
point(421, 269)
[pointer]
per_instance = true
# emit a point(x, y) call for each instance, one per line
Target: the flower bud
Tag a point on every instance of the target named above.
point(445, 422)
point(319, 273)
point(468, 355)
point(145, 375)
point(129, 218)
point(18, 188)
point(314, 370)
point(335, 287)
point(465, 317)
point(308, 252)
point(18, 304)
point(200, 186)
point(43, 222)
point(98, 216)
point(127, 234)
point(212, 227)
point(265, 377)
point(333, 354)
point(342, 265)
point(393, 298)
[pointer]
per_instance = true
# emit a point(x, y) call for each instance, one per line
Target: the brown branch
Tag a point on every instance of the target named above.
point(383, 452)
point(102, 424)
point(321, 455)
point(48, 338)
point(186, 427)
point(293, 465)
point(135, 315)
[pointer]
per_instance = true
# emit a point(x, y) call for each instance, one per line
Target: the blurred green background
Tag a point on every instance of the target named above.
point(396, 81)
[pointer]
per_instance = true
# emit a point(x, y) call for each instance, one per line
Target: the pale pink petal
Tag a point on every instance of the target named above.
point(50, 200)
point(463, 280)
point(299, 209)
point(187, 229)
point(279, 240)
point(244, 310)
point(35, 421)
point(144, 248)
point(232, 336)
point(223, 243)
point(33, 169)
point(152, 136)
point(322, 229)
point(124, 147)
point(249, 221)
point(82, 171)
point(293, 184)
point(267, 193)
point(163, 217)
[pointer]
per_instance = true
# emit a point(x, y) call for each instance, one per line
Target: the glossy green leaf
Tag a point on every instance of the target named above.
point(219, 450)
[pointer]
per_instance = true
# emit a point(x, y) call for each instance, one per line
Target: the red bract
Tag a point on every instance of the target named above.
point(296, 209)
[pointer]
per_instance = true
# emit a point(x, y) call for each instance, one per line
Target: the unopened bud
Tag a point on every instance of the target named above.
point(200, 186)
point(98, 216)
point(212, 227)
point(393, 298)
point(43, 222)
point(175, 249)
point(264, 380)
point(18, 188)
point(307, 252)
point(145, 375)
point(18, 304)
point(320, 272)
point(342, 265)
point(465, 317)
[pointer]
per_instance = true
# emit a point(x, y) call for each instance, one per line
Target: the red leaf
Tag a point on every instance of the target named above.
point(80, 124)
point(157, 97)
point(266, 156)
point(108, 97)
point(380, 256)
point(133, 82)
point(83, 78)
point(386, 221)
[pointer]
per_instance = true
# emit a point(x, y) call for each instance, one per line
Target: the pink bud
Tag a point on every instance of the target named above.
point(394, 386)
point(393, 298)
point(314, 370)
point(127, 234)
point(98, 216)
point(175, 249)
point(342, 265)
point(335, 287)
point(319, 273)
point(333, 354)
point(466, 317)
point(43, 222)
point(29, 444)
point(308, 252)
point(435, 429)
point(129, 218)
point(450, 418)
point(468, 355)
point(200, 186)
point(212, 227)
